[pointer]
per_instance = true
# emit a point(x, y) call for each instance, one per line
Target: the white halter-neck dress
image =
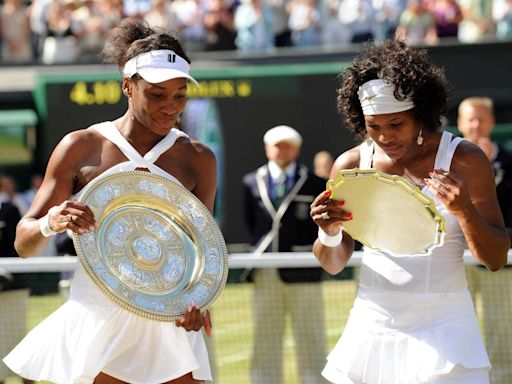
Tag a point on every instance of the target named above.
point(413, 319)
point(90, 334)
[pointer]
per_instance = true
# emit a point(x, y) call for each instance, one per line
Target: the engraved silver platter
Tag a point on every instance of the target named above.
point(157, 249)
point(389, 213)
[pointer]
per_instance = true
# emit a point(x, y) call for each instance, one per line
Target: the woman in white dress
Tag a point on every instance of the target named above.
point(413, 320)
point(90, 339)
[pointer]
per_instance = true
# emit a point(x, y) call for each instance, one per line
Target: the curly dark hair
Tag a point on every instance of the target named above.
point(408, 69)
point(133, 36)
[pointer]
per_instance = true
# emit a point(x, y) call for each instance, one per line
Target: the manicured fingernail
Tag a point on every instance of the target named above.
point(341, 203)
point(349, 216)
point(327, 193)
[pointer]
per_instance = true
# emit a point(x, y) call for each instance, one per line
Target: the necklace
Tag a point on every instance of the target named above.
point(416, 181)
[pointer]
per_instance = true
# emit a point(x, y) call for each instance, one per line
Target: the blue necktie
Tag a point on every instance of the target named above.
point(279, 188)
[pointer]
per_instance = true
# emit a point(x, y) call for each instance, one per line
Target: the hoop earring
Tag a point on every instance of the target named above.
point(419, 139)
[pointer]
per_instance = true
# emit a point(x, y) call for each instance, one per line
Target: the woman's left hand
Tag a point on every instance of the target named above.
point(194, 320)
point(450, 189)
point(328, 214)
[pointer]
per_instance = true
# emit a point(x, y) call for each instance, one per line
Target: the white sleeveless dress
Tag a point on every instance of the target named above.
point(413, 319)
point(90, 334)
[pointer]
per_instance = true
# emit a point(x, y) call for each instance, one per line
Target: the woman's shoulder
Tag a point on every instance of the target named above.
point(469, 158)
point(85, 136)
point(77, 145)
point(194, 149)
point(348, 159)
point(467, 150)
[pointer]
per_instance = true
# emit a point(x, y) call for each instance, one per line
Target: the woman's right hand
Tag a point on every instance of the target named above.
point(194, 320)
point(72, 215)
point(329, 214)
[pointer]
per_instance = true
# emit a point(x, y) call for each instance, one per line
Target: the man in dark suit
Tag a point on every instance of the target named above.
point(277, 200)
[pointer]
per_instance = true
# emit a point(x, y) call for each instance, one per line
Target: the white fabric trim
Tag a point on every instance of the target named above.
point(446, 150)
point(44, 224)
point(366, 150)
point(272, 236)
point(158, 66)
point(275, 170)
point(136, 160)
point(377, 98)
point(330, 240)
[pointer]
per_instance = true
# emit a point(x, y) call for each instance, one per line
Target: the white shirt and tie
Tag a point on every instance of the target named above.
point(280, 180)
point(275, 300)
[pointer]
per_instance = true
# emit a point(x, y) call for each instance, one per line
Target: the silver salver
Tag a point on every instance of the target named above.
point(389, 213)
point(157, 249)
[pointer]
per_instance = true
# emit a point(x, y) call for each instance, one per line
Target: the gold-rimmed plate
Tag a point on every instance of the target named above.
point(157, 249)
point(389, 213)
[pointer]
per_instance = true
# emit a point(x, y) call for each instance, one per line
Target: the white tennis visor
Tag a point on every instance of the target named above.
point(158, 66)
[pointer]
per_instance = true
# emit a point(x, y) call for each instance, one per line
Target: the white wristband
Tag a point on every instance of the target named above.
point(328, 240)
point(44, 226)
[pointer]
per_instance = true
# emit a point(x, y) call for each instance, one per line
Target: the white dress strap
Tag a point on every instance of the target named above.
point(445, 151)
point(366, 150)
point(447, 147)
point(135, 160)
point(111, 133)
point(163, 145)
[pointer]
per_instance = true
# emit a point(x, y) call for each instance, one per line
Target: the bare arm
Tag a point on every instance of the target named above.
point(205, 168)
point(206, 175)
point(55, 191)
point(469, 193)
point(334, 259)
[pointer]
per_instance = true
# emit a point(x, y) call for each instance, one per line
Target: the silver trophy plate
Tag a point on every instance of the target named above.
point(157, 249)
point(389, 213)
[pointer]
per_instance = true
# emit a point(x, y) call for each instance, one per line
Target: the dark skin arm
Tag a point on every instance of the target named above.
point(58, 185)
point(205, 169)
point(334, 259)
point(469, 193)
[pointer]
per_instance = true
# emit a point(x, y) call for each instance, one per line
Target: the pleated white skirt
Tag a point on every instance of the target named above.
point(408, 339)
point(90, 334)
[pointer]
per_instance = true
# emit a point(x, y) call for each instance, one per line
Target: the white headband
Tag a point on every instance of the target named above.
point(158, 66)
point(377, 98)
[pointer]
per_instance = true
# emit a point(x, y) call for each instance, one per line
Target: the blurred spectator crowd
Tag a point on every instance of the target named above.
point(72, 31)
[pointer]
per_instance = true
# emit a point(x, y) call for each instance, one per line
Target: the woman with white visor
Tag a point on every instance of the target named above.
point(90, 339)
